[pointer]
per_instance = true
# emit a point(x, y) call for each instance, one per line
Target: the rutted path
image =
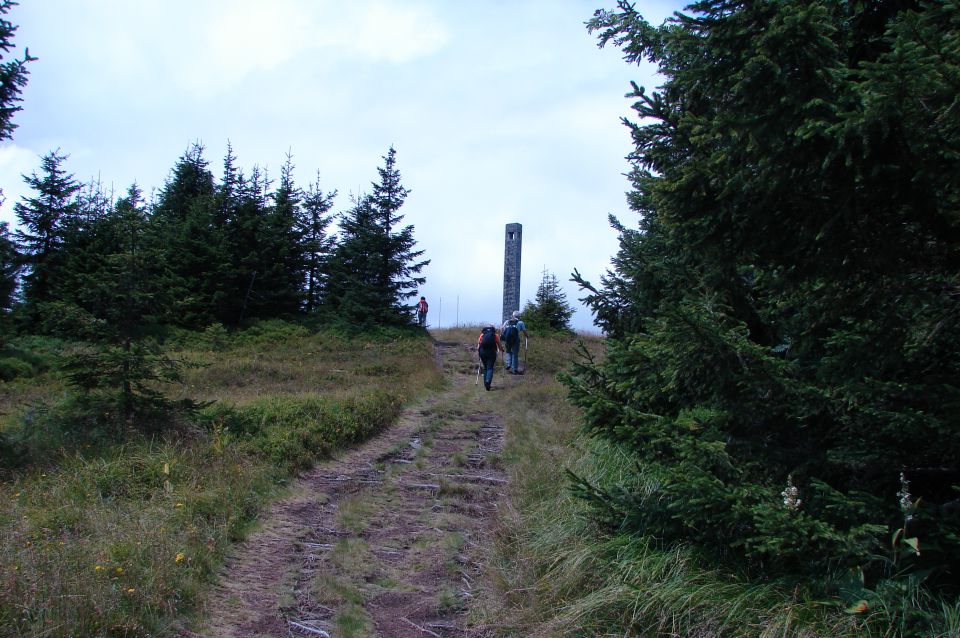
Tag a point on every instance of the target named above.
point(382, 541)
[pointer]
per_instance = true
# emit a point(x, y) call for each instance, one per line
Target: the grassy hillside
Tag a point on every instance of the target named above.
point(117, 535)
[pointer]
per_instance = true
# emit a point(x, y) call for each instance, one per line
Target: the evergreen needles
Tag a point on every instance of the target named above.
point(783, 319)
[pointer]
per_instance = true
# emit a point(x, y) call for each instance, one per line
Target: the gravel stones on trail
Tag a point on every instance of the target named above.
point(383, 541)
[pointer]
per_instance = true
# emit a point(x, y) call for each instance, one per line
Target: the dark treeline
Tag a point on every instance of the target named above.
point(85, 264)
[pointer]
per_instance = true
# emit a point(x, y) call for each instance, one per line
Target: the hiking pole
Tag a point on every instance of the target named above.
point(526, 346)
point(477, 382)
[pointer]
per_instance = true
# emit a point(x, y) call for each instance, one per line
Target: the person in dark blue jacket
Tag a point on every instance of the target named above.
point(511, 332)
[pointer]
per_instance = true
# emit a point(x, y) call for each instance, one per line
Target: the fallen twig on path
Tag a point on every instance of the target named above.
point(426, 486)
point(419, 628)
point(312, 630)
point(473, 477)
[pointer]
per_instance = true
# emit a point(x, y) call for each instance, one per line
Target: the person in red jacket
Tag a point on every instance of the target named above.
point(422, 308)
point(487, 347)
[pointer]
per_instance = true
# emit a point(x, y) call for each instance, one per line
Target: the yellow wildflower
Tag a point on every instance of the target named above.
point(98, 568)
point(131, 590)
point(119, 570)
point(179, 505)
point(180, 557)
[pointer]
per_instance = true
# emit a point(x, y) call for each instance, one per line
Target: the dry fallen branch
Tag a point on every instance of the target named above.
point(426, 486)
point(470, 477)
point(419, 628)
point(308, 629)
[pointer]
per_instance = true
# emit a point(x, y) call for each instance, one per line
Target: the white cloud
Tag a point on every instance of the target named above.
point(395, 33)
point(248, 38)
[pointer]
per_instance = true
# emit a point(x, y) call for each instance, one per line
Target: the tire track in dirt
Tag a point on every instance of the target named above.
point(383, 541)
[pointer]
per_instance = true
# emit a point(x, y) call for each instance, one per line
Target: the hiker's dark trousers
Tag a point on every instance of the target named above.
point(489, 360)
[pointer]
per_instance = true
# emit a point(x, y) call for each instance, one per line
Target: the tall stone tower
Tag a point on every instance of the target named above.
point(511, 269)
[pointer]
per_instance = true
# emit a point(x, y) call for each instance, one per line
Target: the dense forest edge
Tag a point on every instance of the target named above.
point(781, 375)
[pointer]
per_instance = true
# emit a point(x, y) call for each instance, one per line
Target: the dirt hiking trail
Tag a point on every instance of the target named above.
point(384, 540)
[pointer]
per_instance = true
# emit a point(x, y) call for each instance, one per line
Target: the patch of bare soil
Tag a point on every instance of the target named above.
point(383, 541)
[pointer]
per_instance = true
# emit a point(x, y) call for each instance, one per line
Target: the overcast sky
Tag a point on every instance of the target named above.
point(500, 112)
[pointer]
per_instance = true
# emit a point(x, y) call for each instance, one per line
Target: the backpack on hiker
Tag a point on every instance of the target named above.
point(511, 334)
point(488, 339)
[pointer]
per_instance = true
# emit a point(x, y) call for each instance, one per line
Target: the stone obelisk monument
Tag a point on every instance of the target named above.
point(511, 269)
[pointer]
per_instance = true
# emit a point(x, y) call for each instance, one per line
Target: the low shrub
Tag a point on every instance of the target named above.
point(11, 368)
point(270, 332)
point(294, 432)
point(28, 356)
point(44, 431)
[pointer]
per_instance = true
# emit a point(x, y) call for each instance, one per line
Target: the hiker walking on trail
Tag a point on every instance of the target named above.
point(487, 346)
point(511, 330)
point(422, 308)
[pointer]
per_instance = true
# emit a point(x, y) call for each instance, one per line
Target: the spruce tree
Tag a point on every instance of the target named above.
point(549, 310)
point(110, 271)
point(80, 258)
point(238, 212)
point(266, 263)
point(282, 258)
point(389, 194)
point(398, 269)
point(317, 243)
point(784, 316)
point(119, 370)
point(228, 190)
point(374, 268)
point(192, 240)
point(13, 78)
point(352, 296)
point(9, 268)
point(44, 220)
point(246, 233)
point(13, 73)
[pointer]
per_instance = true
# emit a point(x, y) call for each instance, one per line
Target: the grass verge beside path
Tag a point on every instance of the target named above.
point(120, 539)
point(552, 572)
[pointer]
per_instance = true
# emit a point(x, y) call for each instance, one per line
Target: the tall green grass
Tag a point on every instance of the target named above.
point(117, 543)
point(120, 536)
